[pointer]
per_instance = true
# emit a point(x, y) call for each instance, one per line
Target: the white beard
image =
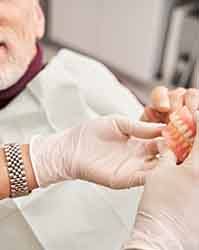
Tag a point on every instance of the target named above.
point(20, 53)
point(14, 67)
point(10, 76)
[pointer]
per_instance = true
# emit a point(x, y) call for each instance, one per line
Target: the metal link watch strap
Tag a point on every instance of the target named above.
point(16, 171)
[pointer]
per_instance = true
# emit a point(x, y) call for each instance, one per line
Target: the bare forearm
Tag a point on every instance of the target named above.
point(4, 179)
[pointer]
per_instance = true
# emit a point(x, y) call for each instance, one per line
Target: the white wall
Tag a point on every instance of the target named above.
point(124, 33)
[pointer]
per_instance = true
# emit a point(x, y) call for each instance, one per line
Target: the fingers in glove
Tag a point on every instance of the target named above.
point(138, 129)
point(151, 148)
point(177, 98)
point(139, 178)
point(166, 158)
point(145, 149)
point(149, 165)
point(147, 130)
point(151, 115)
point(160, 99)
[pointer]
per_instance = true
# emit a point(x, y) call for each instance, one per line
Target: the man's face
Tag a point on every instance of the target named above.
point(21, 24)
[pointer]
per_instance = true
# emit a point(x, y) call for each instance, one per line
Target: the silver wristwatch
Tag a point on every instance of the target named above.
point(16, 170)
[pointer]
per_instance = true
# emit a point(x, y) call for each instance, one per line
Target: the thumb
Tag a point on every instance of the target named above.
point(150, 146)
point(147, 130)
point(138, 129)
point(160, 99)
point(166, 157)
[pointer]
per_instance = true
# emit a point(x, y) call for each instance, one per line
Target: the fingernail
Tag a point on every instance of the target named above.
point(164, 105)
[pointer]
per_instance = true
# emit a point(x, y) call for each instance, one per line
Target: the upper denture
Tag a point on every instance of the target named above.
point(180, 133)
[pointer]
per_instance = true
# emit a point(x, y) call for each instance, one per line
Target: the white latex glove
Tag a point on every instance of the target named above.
point(102, 151)
point(168, 215)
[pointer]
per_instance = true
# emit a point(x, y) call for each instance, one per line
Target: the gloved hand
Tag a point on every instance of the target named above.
point(168, 213)
point(104, 151)
point(164, 102)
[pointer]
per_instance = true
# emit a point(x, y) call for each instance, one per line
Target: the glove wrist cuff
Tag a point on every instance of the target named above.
point(48, 159)
point(33, 161)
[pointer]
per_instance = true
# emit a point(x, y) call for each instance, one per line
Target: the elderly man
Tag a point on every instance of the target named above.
point(72, 90)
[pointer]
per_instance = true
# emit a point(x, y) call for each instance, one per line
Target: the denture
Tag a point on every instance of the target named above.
point(180, 133)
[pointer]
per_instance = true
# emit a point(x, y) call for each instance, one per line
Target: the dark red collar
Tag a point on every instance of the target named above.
point(34, 68)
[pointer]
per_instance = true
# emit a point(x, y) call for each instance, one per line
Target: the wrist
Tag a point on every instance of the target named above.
point(50, 159)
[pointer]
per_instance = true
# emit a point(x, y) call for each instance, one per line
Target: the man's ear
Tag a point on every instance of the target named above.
point(39, 21)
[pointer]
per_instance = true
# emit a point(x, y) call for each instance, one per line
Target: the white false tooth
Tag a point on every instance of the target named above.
point(188, 134)
point(179, 122)
point(174, 118)
point(183, 129)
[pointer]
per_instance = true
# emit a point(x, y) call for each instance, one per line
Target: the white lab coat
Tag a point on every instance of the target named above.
point(71, 215)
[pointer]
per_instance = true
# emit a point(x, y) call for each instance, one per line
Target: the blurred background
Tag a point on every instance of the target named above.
point(143, 42)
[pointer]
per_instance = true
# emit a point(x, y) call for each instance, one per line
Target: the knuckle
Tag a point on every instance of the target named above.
point(192, 92)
